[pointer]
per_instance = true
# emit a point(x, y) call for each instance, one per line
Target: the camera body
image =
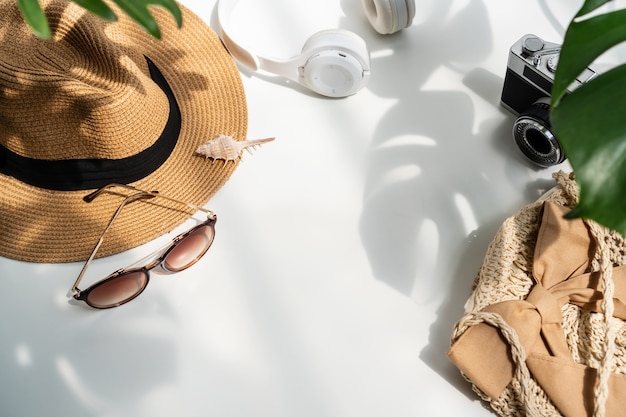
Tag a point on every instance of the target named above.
point(526, 93)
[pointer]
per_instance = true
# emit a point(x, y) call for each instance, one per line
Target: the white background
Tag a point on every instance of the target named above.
point(345, 250)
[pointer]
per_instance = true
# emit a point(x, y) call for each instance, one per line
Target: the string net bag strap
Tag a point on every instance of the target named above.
point(596, 340)
point(522, 381)
point(603, 262)
point(605, 266)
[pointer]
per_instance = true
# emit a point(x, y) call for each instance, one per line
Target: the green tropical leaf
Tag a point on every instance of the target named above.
point(35, 17)
point(584, 42)
point(590, 125)
point(590, 5)
point(99, 8)
point(138, 11)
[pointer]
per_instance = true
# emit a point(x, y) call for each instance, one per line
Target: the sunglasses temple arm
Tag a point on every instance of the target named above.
point(128, 199)
point(190, 205)
point(90, 197)
point(75, 289)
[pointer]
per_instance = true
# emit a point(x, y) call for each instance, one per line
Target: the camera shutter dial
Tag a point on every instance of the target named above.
point(552, 63)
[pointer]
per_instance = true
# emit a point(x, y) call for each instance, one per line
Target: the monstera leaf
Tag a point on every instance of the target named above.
point(136, 9)
point(590, 122)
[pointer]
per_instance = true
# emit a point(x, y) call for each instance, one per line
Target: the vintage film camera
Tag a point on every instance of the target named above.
point(526, 92)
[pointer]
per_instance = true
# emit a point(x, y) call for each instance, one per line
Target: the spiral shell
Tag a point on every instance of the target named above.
point(227, 148)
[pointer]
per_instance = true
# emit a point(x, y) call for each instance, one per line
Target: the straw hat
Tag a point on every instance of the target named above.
point(105, 102)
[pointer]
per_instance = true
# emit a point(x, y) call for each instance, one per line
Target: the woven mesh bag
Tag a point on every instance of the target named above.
point(535, 345)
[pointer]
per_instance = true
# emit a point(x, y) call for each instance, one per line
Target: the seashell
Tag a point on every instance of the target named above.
point(228, 149)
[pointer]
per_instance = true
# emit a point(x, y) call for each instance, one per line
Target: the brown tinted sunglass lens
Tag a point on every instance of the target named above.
point(189, 250)
point(118, 290)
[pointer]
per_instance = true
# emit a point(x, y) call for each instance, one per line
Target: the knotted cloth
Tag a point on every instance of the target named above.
point(534, 339)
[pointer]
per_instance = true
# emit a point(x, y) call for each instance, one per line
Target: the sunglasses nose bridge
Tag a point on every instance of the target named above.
point(153, 264)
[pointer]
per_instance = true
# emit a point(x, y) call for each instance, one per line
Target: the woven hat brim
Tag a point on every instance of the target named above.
point(40, 225)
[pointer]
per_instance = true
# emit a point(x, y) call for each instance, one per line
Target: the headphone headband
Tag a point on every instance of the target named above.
point(224, 11)
point(335, 62)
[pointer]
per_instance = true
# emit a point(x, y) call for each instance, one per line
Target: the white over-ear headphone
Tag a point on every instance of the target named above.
point(334, 62)
point(389, 16)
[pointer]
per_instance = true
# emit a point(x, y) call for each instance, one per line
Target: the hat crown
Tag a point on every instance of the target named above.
point(78, 95)
point(98, 91)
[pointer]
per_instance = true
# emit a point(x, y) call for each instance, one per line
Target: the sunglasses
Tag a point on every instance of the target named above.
point(127, 283)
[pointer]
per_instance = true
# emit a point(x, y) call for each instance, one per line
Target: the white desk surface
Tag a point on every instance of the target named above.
point(345, 250)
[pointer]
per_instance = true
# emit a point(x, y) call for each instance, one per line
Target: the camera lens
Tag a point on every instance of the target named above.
point(533, 135)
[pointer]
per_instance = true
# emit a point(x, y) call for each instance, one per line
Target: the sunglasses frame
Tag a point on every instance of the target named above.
point(82, 295)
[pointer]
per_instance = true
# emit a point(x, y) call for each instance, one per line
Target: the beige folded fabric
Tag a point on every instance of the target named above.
point(561, 258)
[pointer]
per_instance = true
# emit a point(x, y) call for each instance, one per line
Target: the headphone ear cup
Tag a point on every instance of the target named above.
point(337, 63)
point(389, 16)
